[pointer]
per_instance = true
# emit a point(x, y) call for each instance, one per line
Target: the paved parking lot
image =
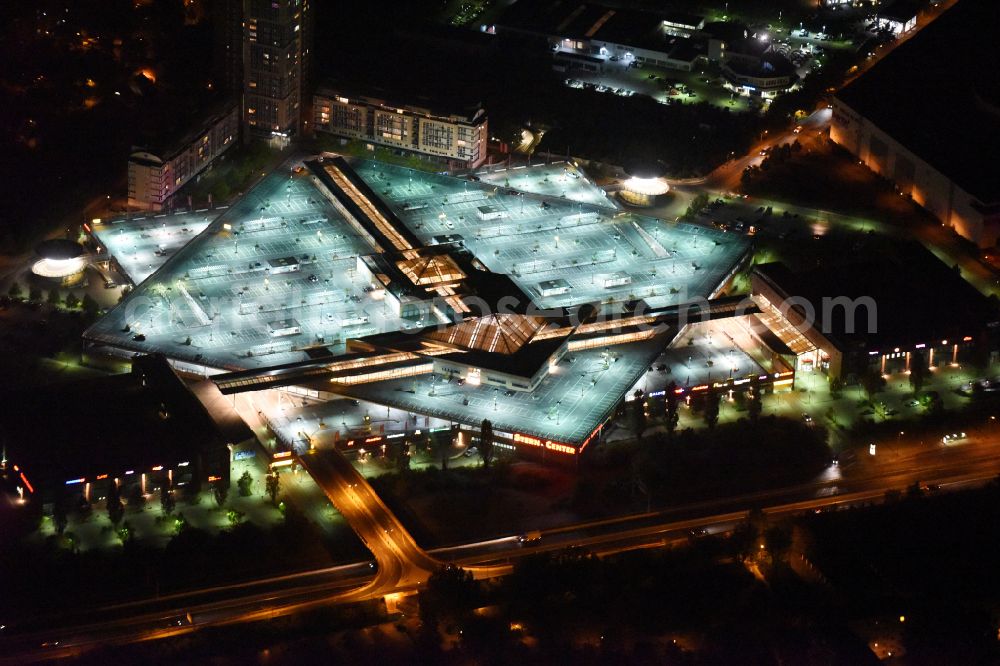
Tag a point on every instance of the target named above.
point(275, 276)
point(271, 277)
point(142, 244)
point(663, 85)
point(559, 179)
point(569, 403)
point(605, 255)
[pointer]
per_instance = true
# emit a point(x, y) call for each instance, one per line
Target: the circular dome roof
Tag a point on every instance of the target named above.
point(646, 169)
point(58, 249)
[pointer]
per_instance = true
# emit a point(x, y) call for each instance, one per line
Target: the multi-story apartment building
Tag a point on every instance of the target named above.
point(227, 23)
point(277, 36)
point(455, 135)
point(155, 175)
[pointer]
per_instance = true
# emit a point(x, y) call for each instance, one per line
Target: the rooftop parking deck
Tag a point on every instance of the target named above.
point(560, 179)
point(605, 255)
point(282, 254)
point(576, 396)
point(142, 244)
point(274, 279)
point(704, 355)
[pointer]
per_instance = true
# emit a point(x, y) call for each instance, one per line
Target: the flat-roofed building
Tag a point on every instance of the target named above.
point(898, 17)
point(843, 319)
point(683, 23)
point(836, 4)
point(596, 33)
point(927, 117)
point(139, 430)
point(155, 174)
point(750, 62)
point(453, 133)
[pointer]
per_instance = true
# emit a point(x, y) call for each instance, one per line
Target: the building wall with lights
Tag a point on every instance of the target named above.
point(850, 318)
point(139, 430)
point(977, 221)
point(154, 176)
point(456, 138)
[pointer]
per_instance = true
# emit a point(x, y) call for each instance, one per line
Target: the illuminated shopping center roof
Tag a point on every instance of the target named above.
point(371, 274)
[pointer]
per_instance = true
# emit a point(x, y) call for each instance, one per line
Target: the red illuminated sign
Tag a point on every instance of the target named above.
point(547, 444)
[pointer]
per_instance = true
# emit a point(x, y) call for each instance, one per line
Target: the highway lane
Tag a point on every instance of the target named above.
point(163, 624)
point(328, 579)
point(973, 463)
point(114, 628)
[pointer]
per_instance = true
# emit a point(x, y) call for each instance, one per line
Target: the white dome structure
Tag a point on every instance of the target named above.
point(60, 261)
point(646, 184)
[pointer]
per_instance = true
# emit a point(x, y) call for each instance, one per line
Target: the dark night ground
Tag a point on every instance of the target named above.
point(879, 562)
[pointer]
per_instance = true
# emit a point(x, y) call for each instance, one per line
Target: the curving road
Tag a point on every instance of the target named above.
point(403, 565)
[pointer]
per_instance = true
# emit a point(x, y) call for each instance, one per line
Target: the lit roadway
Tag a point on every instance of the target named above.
point(403, 565)
point(401, 562)
point(727, 178)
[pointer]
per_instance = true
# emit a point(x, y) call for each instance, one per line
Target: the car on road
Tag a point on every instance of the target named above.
point(808, 420)
point(534, 536)
point(952, 438)
point(180, 620)
point(471, 451)
point(845, 459)
point(508, 393)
